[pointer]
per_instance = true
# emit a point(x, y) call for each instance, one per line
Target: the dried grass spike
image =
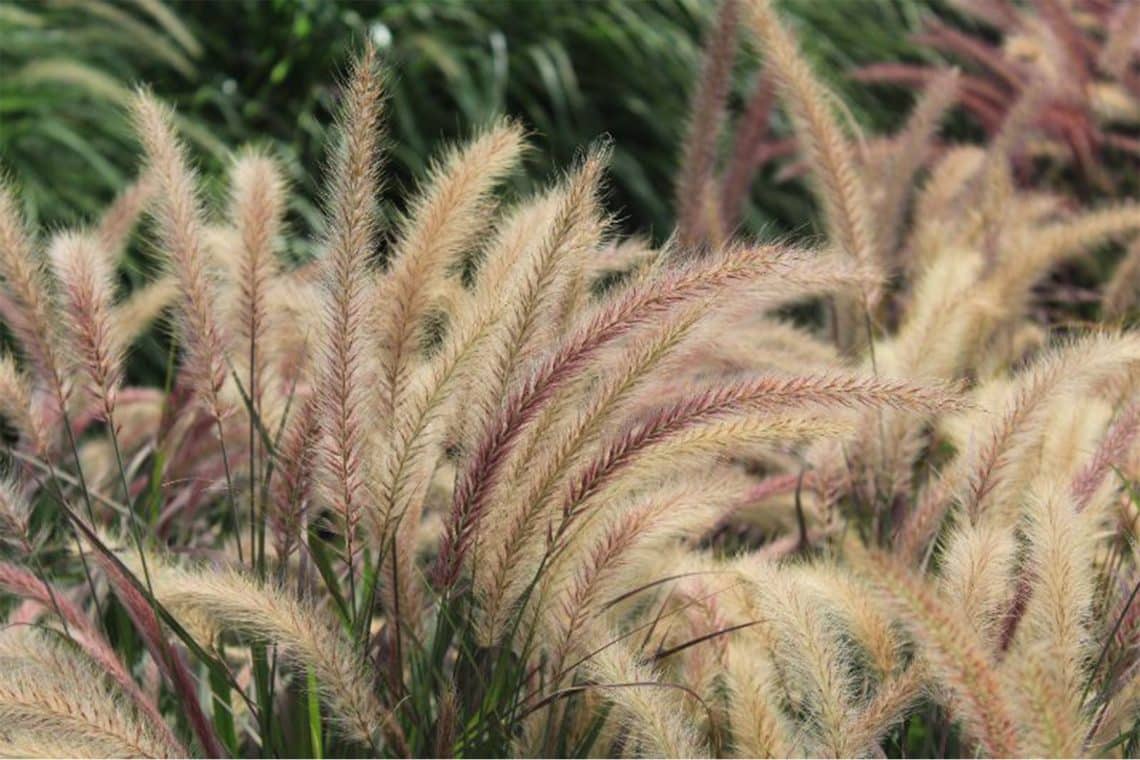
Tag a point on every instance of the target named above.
point(87, 279)
point(695, 187)
point(845, 201)
point(182, 227)
point(344, 372)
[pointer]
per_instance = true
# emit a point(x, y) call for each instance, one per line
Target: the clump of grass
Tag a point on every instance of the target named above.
point(437, 491)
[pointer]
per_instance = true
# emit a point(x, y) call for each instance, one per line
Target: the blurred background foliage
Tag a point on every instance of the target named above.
point(266, 71)
point(66, 72)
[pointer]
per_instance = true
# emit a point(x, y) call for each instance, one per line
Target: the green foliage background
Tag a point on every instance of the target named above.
point(264, 70)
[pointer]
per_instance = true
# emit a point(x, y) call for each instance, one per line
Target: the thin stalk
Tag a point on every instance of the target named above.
point(41, 576)
point(229, 487)
point(82, 487)
point(38, 568)
point(254, 410)
point(127, 500)
point(45, 468)
point(78, 544)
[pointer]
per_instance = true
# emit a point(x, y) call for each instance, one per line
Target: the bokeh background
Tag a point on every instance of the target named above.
point(266, 71)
